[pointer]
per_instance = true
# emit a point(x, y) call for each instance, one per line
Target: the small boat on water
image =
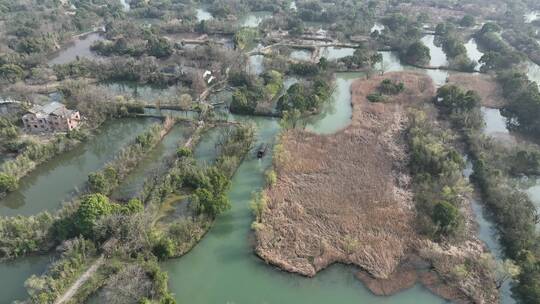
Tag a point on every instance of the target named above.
point(262, 150)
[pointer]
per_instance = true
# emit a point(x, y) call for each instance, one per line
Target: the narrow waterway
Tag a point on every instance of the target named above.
point(256, 64)
point(203, 14)
point(302, 55)
point(438, 57)
point(391, 63)
point(495, 122)
point(488, 233)
point(206, 151)
point(152, 163)
point(474, 53)
point(253, 19)
point(336, 114)
point(56, 180)
point(223, 269)
point(143, 92)
point(335, 53)
point(15, 273)
point(80, 48)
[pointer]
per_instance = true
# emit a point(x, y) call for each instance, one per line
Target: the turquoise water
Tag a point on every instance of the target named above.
point(336, 114)
point(152, 163)
point(222, 268)
point(80, 48)
point(15, 273)
point(56, 180)
point(206, 151)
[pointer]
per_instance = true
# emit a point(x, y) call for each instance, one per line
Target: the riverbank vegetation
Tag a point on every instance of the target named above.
point(406, 168)
point(33, 154)
point(494, 166)
point(128, 158)
point(438, 183)
point(439, 197)
point(499, 55)
point(256, 95)
point(523, 105)
point(454, 48)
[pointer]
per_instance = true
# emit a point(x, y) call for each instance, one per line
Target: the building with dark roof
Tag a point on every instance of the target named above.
point(52, 117)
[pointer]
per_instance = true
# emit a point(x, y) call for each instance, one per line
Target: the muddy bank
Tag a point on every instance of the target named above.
point(346, 198)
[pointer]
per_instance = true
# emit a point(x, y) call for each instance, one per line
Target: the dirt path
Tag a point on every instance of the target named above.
point(80, 281)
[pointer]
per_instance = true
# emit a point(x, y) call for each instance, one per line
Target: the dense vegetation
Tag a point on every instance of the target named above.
point(453, 46)
point(511, 208)
point(499, 55)
point(438, 181)
point(306, 97)
point(387, 87)
point(33, 154)
point(110, 176)
point(256, 95)
point(523, 108)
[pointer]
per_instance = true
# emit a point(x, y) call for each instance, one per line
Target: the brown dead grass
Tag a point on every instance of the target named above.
point(485, 85)
point(345, 198)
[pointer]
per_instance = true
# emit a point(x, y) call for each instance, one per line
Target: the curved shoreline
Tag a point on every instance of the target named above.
point(292, 220)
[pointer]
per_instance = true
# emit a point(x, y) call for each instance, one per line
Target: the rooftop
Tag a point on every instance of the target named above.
point(52, 108)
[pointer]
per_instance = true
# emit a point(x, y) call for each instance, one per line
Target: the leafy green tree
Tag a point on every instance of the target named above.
point(529, 278)
point(159, 47)
point(490, 27)
point(244, 37)
point(164, 248)
point(211, 198)
point(418, 54)
point(11, 72)
point(98, 183)
point(184, 152)
point(290, 119)
point(92, 207)
point(241, 103)
point(323, 63)
point(133, 206)
point(390, 87)
point(447, 217)
point(8, 183)
point(467, 21)
point(453, 98)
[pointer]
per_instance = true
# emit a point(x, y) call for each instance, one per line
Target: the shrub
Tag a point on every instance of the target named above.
point(164, 249)
point(92, 207)
point(184, 152)
point(8, 183)
point(447, 217)
point(417, 54)
point(376, 97)
point(98, 183)
point(390, 87)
